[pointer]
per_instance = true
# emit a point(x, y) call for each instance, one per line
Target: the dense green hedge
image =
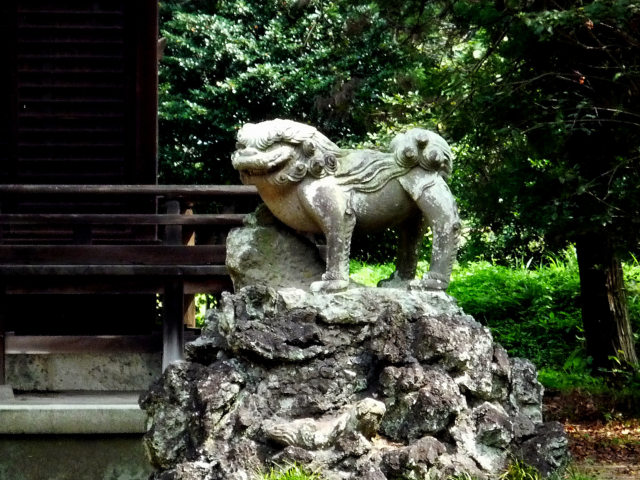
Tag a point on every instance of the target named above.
point(534, 312)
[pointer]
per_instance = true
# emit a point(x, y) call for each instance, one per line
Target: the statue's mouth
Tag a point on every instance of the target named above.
point(261, 163)
point(254, 172)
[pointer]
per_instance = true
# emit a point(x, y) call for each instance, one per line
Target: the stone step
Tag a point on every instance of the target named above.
point(72, 436)
point(78, 412)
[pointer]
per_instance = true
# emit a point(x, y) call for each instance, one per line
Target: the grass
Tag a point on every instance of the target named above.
point(516, 471)
point(289, 472)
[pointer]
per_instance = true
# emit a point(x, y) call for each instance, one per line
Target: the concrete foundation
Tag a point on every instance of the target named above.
point(73, 457)
point(74, 436)
point(73, 412)
point(107, 363)
point(82, 371)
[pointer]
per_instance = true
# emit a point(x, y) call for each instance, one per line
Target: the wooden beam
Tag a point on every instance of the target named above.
point(125, 255)
point(84, 270)
point(187, 191)
point(112, 284)
point(231, 219)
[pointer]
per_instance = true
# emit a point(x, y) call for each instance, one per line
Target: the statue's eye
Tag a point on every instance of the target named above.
point(240, 146)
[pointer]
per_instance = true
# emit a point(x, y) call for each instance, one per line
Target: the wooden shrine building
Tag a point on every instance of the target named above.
point(87, 237)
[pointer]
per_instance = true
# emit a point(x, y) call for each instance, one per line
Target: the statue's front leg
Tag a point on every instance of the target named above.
point(326, 204)
point(336, 277)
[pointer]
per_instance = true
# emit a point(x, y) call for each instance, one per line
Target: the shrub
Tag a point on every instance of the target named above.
point(533, 312)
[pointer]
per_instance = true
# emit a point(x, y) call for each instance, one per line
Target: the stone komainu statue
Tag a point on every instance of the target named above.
point(312, 185)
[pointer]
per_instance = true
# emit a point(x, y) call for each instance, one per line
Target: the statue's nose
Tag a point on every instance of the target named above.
point(246, 152)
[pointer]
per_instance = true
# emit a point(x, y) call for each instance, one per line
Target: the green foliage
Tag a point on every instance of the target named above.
point(533, 312)
point(380, 247)
point(369, 274)
point(461, 476)
point(203, 302)
point(566, 378)
point(518, 470)
point(291, 472)
point(541, 104)
point(617, 394)
point(228, 63)
point(632, 285)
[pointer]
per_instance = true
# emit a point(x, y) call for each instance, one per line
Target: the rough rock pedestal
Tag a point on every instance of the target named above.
point(365, 384)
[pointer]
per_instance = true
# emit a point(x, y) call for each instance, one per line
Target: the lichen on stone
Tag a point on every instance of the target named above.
point(364, 384)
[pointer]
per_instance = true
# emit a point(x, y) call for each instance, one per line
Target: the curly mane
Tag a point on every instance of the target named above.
point(356, 170)
point(265, 134)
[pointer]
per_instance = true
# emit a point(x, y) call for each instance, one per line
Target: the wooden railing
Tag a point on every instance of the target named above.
point(88, 262)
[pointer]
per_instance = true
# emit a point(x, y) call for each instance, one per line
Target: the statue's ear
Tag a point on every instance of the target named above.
point(308, 148)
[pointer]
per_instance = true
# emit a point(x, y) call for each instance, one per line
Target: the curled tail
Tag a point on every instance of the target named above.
point(425, 148)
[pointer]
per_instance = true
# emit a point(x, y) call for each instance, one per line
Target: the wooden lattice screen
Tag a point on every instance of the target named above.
point(82, 92)
point(78, 105)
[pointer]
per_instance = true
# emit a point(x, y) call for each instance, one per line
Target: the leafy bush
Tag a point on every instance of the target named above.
point(228, 63)
point(369, 274)
point(632, 284)
point(533, 313)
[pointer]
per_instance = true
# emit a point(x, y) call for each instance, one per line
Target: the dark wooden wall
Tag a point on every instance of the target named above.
point(81, 91)
point(78, 105)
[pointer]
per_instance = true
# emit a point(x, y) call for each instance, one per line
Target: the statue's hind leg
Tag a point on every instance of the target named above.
point(433, 197)
point(439, 206)
point(410, 234)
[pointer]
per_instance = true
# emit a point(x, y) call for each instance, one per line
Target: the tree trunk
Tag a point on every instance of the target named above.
point(604, 305)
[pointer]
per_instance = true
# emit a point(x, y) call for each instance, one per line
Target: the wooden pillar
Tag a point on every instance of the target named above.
point(189, 238)
point(3, 310)
point(173, 327)
point(6, 392)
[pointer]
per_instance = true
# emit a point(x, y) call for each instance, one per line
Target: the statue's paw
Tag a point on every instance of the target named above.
point(428, 284)
point(285, 434)
point(329, 286)
point(394, 281)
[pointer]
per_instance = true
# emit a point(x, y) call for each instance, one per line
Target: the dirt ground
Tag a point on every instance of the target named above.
point(604, 442)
